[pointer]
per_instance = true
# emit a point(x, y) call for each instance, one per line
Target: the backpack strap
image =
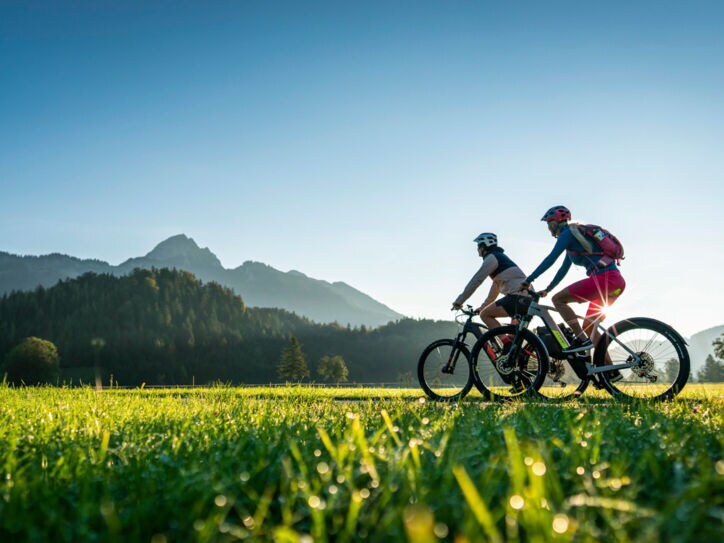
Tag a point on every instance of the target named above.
point(585, 242)
point(587, 246)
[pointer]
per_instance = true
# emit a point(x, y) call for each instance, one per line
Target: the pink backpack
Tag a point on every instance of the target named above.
point(598, 241)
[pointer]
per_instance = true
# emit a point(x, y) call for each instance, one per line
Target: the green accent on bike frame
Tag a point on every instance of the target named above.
point(559, 337)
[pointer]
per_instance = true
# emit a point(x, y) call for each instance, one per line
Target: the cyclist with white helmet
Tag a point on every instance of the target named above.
point(602, 287)
point(507, 278)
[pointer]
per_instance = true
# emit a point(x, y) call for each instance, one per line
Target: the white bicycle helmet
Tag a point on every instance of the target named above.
point(486, 239)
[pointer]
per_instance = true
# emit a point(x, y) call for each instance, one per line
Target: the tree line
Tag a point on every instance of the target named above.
point(167, 327)
point(713, 369)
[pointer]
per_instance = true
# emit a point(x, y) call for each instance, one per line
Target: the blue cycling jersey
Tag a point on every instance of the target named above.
point(568, 242)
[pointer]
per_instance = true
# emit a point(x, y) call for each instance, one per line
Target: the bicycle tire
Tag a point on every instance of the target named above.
point(493, 384)
point(658, 341)
point(572, 388)
point(435, 383)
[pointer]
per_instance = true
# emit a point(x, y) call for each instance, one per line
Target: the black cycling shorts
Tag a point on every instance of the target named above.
point(514, 304)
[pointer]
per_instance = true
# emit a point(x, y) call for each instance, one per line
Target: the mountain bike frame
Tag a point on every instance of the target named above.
point(544, 313)
point(469, 327)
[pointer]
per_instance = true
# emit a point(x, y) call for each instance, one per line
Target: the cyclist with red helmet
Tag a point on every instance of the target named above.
point(507, 278)
point(602, 287)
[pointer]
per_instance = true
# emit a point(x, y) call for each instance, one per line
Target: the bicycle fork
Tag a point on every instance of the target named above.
point(515, 344)
point(452, 360)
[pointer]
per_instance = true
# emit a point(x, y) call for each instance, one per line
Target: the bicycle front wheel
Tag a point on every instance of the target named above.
point(500, 378)
point(444, 370)
point(663, 360)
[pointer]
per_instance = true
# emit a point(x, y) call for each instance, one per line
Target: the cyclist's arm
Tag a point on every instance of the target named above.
point(558, 249)
point(561, 273)
point(490, 263)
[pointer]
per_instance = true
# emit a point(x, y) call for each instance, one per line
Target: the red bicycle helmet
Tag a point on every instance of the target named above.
point(558, 214)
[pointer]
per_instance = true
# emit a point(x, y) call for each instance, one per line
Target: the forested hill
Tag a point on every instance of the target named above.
point(167, 327)
point(259, 284)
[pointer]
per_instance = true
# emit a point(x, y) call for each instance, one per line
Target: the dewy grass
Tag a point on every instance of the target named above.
point(303, 464)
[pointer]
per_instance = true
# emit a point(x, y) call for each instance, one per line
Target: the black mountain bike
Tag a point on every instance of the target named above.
point(509, 362)
point(638, 358)
point(444, 368)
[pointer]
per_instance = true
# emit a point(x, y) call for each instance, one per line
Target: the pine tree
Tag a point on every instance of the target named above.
point(292, 363)
point(712, 372)
point(719, 347)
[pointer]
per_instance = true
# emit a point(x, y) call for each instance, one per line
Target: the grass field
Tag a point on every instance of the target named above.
point(307, 464)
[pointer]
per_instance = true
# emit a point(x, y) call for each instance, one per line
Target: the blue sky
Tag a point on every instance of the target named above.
point(370, 142)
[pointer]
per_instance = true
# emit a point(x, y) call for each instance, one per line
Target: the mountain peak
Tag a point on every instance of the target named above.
point(259, 284)
point(183, 249)
point(179, 244)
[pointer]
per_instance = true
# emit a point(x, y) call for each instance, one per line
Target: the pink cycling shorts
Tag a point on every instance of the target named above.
point(602, 289)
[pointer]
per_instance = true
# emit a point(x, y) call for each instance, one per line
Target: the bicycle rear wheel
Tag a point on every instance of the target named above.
point(444, 370)
point(664, 360)
point(496, 376)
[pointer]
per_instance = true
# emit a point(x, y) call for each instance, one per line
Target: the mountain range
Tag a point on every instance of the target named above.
point(258, 284)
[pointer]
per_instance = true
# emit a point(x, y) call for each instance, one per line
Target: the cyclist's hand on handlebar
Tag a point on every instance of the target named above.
point(456, 306)
point(526, 286)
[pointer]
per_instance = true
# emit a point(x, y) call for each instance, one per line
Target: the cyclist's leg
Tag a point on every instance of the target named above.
point(490, 314)
point(561, 301)
point(598, 289)
point(610, 286)
point(508, 306)
point(602, 290)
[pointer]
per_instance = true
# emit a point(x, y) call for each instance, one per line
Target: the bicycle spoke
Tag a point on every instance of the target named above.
point(663, 363)
point(444, 370)
point(497, 374)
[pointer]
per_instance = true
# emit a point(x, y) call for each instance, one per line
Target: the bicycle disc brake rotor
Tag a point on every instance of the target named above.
point(646, 365)
point(502, 365)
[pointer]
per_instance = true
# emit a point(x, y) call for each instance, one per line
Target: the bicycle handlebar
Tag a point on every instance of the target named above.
point(533, 294)
point(469, 311)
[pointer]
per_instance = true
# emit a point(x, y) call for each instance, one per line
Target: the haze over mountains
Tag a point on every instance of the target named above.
point(258, 284)
point(700, 346)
